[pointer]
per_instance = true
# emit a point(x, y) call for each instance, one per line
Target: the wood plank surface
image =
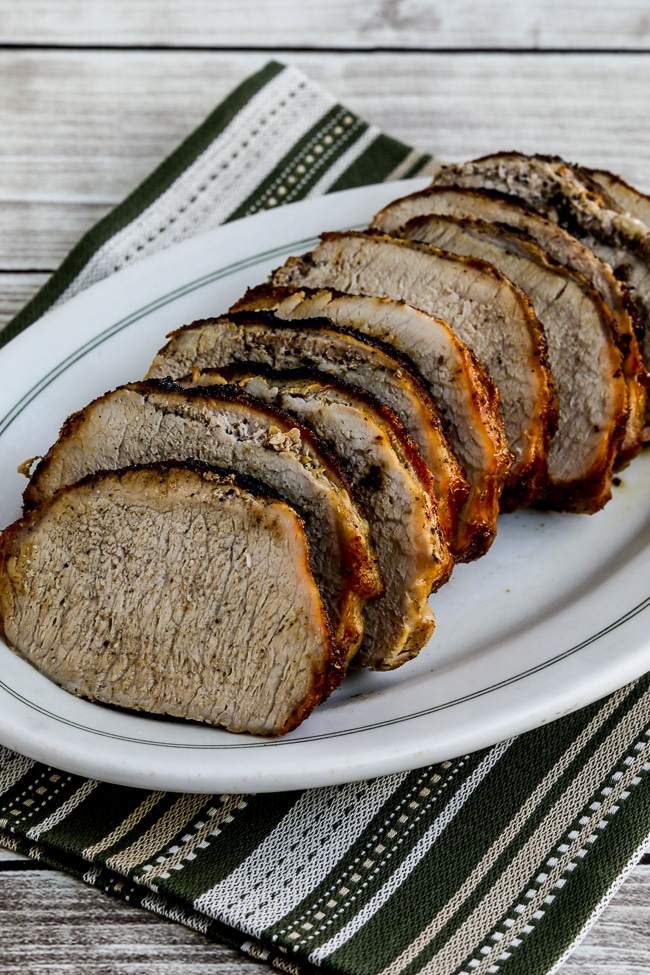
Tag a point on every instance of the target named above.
point(7, 857)
point(81, 129)
point(99, 121)
point(535, 24)
point(15, 291)
point(51, 924)
point(94, 93)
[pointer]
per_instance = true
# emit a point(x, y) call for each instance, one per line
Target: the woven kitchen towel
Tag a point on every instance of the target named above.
point(492, 862)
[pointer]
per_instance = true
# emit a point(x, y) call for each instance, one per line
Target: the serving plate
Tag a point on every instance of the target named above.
point(555, 616)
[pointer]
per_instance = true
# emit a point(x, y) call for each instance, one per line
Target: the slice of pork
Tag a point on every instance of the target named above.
point(466, 397)
point(341, 352)
point(151, 421)
point(174, 591)
point(393, 485)
point(629, 199)
point(578, 204)
point(585, 361)
point(487, 312)
point(626, 196)
point(496, 207)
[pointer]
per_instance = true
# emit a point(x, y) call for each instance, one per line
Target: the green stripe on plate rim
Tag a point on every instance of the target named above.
point(131, 319)
point(136, 316)
point(635, 611)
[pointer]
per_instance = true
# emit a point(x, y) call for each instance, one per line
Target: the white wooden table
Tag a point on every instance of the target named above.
point(94, 93)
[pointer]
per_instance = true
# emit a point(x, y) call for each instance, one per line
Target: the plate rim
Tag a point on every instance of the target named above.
point(16, 348)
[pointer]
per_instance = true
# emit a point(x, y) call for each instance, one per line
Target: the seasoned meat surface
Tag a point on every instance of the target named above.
point(174, 591)
point(585, 361)
point(578, 203)
point(487, 312)
point(626, 196)
point(394, 487)
point(152, 421)
point(259, 336)
point(465, 395)
point(495, 207)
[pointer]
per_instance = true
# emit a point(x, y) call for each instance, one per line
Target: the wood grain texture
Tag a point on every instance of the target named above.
point(81, 129)
point(339, 23)
point(619, 943)
point(53, 925)
point(15, 291)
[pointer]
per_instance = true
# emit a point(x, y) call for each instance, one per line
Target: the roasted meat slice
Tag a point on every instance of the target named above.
point(171, 590)
point(460, 387)
point(584, 359)
point(346, 354)
point(578, 204)
point(152, 421)
point(496, 207)
point(626, 196)
point(394, 487)
point(487, 312)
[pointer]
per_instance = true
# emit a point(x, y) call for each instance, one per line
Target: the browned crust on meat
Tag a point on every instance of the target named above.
point(449, 471)
point(528, 479)
point(628, 197)
point(438, 189)
point(478, 511)
point(594, 485)
point(626, 326)
point(576, 254)
point(225, 394)
point(477, 522)
point(401, 437)
point(569, 195)
point(591, 189)
point(13, 536)
point(355, 394)
point(575, 201)
point(429, 563)
point(490, 410)
point(587, 498)
point(357, 564)
point(358, 560)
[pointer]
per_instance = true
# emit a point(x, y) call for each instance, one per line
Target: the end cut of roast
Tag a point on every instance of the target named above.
point(174, 591)
point(151, 421)
point(626, 196)
point(571, 197)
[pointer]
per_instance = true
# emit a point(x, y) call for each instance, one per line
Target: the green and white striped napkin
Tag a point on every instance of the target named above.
point(493, 862)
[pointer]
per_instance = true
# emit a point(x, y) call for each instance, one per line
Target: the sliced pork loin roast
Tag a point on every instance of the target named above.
point(626, 196)
point(487, 312)
point(153, 421)
point(392, 483)
point(341, 352)
point(569, 197)
point(584, 358)
point(460, 387)
point(496, 207)
point(171, 590)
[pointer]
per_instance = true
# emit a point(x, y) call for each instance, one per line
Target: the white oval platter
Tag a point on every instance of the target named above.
point(554, 617)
